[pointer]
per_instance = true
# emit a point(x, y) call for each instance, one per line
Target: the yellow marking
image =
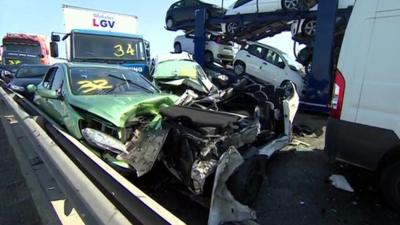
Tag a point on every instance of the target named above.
point(130, 50)
point(119, 50)
point(14, 62)
point(89, 86)
point(188, 72)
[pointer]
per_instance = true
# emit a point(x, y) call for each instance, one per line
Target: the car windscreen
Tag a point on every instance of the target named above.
point(172, 69)
point(24, 48)
point(15, 61)
point(123, 49)
point(104, 81)
point(25, 72)
point(182, 69)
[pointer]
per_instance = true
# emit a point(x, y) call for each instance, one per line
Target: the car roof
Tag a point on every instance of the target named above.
point(266, 46)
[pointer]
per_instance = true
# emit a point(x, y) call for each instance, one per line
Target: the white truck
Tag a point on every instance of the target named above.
point(364, 129)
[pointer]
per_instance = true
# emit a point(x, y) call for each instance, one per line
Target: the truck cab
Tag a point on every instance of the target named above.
point(128, 50)
point(24, 48)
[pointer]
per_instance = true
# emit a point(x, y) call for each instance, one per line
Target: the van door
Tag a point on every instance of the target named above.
point(379, 102)
point(57, 106)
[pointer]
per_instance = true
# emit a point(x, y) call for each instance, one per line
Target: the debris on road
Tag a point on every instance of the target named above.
point(340, 182)
point(304, 130)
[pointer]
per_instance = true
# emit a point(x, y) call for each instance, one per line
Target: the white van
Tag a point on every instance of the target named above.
point(364, 128)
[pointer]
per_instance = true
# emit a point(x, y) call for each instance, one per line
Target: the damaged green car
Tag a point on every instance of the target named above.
point(105, 106)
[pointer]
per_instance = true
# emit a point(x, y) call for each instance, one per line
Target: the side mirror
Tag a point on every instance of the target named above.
point(31, 88)
point(54, 49)
point(46, 93)
point(147, 47)
point(55, 38)
point(281, 65)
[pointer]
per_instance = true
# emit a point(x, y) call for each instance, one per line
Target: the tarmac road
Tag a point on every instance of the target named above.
point(298, 192)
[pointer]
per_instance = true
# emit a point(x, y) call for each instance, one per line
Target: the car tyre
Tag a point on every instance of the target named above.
point(239, 68)
point(290, 4)
point(208, 57)
point(309, 28)
point(390, 184)
point(232, 28)
point(177, 47)
point(169, 22)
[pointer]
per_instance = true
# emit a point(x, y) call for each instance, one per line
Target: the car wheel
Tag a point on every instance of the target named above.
point(232, 28)
point(208, 57)
point(309, 27)
point(246, 181)
point(390, 184)
point(169, 23)
point(177, 47)
point(290, 4)
point(239, 68)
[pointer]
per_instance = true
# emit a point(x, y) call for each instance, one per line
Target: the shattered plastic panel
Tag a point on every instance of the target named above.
point(144, 150)
point(224, 207)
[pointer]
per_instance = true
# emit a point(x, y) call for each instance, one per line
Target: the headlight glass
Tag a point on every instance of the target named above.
point(103, 141)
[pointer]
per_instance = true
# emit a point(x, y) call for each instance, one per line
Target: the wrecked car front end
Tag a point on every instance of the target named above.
point(219, 143)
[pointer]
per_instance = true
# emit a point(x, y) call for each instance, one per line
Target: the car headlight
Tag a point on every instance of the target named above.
point(16, 87)
point(103, 141)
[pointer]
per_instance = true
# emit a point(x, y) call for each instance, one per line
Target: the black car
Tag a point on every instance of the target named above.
point(25, 75)
point(184, 11)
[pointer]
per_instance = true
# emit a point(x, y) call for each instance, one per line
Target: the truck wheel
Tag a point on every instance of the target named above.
point(177, 47)
point(246, 181)
point(390, 184)
point(239, 68)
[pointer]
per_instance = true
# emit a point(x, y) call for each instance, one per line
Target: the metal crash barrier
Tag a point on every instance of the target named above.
point(98, 192)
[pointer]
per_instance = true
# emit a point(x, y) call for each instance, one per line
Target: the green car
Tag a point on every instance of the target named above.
point(107, 107)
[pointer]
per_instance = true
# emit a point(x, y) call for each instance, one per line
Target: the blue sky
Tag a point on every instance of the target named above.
point(45, 16)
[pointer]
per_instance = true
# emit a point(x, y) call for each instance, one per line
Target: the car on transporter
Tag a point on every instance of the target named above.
point(217, 48)
point(262, 6)
point(305, 28)
point(268, 64)
point(184, 11)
